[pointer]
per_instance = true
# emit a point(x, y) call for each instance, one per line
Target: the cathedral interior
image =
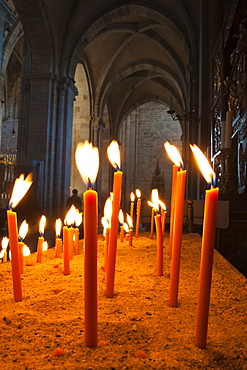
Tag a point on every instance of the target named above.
point(139, 72)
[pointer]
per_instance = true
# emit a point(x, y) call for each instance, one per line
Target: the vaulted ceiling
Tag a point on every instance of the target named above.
point(132, 51)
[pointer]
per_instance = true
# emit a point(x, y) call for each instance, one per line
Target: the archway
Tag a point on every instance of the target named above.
point(142, 137)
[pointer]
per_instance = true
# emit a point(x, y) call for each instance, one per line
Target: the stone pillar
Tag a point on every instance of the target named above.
point(45, 136)
point(63, 143)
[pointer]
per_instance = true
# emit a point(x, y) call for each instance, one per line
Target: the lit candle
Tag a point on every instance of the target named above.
point(163, 217)
point(107, 217)
point(70, 221)
point(78, 221)
point(41, 238)
point(26, 251)
point(155, 206)
point(21, 186)
point(138, 211)
point(121, 221)
point(3, 253)
point(132, 203)
point(152, 224)
point(22, 234)
point(178, 216)
point(66, 253)
point(106, 226)
point(175, 157)
point(207, 251)
point(114, 157)
point(130, 224)
point(58, 244)
point(126, 229)
point(87, 160)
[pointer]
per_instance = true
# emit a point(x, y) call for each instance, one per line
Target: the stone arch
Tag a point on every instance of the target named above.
point(142, 138)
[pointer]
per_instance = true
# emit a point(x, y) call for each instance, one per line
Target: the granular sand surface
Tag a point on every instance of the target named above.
point(137, 321)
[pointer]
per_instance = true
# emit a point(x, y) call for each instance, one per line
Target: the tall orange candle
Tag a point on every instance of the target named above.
point(152, 224)
point(21, 186)
point(114, 157)
point(106, 232)
point(87, 160)
point(121, 220)
point(207, 251)
point(41, 238)
point(15, 258)
point(71, 242)
point(175, 157)
point(22, 234)
point(58, 243)
point(78, 221)
point(138, 211)
point(163, 218)
point(66, 252)
point(132, 200)
point(177, 237)
point(130, 224)
point(157, 217)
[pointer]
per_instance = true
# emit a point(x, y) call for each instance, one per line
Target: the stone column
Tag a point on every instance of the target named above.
point(63, 143)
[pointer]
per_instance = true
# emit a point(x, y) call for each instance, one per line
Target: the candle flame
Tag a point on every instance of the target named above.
point(105, 222)
point(155, 200)
point(23, 230)
point(162, 204)
point(70, 216)
point(173, 154)
point(78, 218)
point(121, 216)
point(87, 161)
point(58, 226)
point(26, 250)
point(42, 225)
point(5, 242)
point(132, 197)
point(21, 186)
point(138, 193)
point(108, 208)
point(126, 227)
point(203, 164)
point(113, 153)
point(45, 246)
point(129, 221)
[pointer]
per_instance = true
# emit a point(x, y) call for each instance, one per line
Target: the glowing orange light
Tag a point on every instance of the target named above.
point(108, 208)
point(121, 217)
point(20, 188)
point(129, 221)
point(173, 154)
point(23, 230)
point(132, 197)
point(26, 250)
point(58, 226)
point(87, 161)
point(113, 153)
point(45, 246)
point(42, 225)
point(162, 204)
point(155, 200)
point(105, 222)
point(70, 216)
point(138, 193)
point(203, 164)
point(126, 227)
point(78, 218)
